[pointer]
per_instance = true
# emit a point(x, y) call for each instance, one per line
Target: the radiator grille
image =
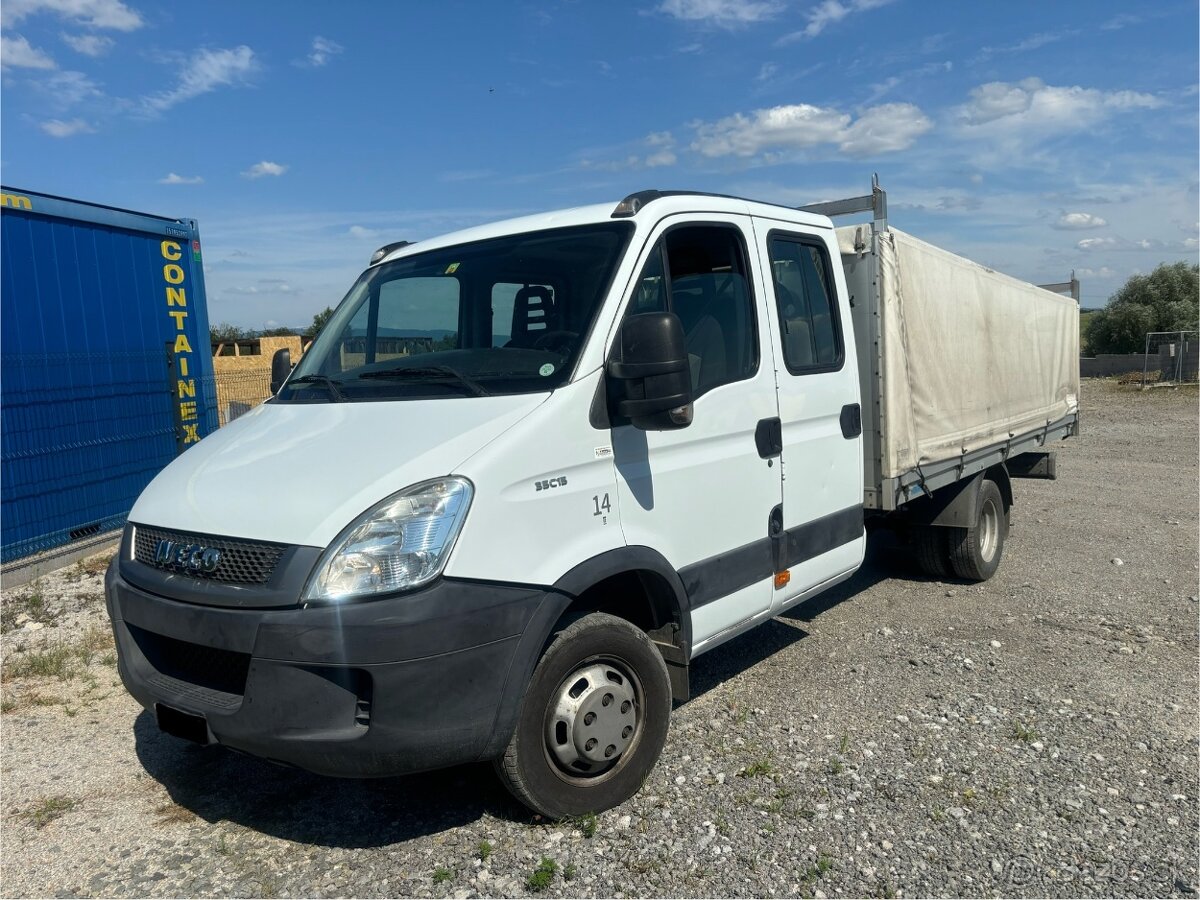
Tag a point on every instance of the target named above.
point(241, 562)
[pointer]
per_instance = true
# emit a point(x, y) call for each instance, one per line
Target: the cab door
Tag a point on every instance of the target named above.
point(823, 539)
point(703, 495)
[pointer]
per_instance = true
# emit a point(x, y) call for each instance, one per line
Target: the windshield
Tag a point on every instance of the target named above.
point(503, 316)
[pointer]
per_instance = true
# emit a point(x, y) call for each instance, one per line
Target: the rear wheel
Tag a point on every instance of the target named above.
point(593, 721)
point(975, 552)
point(932, 550)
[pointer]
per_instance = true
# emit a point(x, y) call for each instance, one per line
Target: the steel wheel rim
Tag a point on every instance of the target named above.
point(578, 715)
point(989, 527)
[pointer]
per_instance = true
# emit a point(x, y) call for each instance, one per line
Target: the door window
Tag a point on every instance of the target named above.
point(699, 273)
point(804, 296)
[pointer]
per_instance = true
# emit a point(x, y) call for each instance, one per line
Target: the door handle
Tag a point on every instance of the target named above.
point(851, 421)
point(768, 437)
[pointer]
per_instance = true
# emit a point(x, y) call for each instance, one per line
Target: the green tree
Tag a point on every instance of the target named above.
point(282, 331)
point(318, 322)
point(1168, 299)
point(224, 333)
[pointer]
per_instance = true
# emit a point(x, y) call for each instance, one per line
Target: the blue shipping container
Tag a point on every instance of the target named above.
point(105, 363)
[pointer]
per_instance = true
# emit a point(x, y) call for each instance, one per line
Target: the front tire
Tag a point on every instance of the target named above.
point(593, 721)
point(975, 552)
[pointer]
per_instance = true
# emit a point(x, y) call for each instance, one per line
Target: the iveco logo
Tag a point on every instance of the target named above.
point(186, 557)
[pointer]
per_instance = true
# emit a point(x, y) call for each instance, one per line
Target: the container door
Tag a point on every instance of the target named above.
point(819, 411)
point(703, 495)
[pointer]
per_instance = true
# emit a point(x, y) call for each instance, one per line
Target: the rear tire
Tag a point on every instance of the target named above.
point(975, 552)
point(593, 721)
point(932, 551)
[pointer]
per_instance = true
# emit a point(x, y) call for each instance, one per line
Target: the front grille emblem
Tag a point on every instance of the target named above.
point(184, 557)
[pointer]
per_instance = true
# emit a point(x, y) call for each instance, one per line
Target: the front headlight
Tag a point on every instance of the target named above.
point(398, 544)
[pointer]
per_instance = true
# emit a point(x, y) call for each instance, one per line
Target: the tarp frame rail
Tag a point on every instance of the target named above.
point(874, 203)
point(925, 479)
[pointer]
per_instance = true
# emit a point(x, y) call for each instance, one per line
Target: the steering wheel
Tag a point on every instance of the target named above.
point(562, 342)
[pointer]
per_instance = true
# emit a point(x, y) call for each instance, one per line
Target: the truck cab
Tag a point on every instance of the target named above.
point(526, 473)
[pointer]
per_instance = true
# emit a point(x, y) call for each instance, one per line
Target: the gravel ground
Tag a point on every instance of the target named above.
point(1036, 735)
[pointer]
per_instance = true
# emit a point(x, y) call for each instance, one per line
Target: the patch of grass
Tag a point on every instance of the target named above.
point(8, 705)
point(171, 813)
point(970, 795)
point(31, 603)
point(1023, 732)
point(836, 766)
point(587, 824)
point(46, 700)
point(484, 850)
point(817, 870)
point(109, 658)
point(96, 565)
point(722, 827)
point(42, 814)
point(55, 660)
point(542, 876)
point(569, 872)
point(756, 769)
point(59, 659)
point(844, 745)
point(442, 874)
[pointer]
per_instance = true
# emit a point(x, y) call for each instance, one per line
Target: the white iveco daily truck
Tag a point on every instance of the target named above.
point(529, 471)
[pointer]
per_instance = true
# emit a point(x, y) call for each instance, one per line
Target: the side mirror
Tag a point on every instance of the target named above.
point(654, 371)
point(281, 368)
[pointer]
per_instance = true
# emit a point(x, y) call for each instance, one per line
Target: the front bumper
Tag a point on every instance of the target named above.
point(384, 687)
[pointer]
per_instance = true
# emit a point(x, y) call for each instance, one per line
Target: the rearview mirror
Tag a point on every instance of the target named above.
point(281, 368)
point(654, 373)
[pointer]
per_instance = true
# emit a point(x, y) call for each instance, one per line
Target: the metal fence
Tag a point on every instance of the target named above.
point(82, 434)
point(1171, 358)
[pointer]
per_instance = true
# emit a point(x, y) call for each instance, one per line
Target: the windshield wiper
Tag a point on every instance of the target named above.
point(431, 371)
point(334, 387)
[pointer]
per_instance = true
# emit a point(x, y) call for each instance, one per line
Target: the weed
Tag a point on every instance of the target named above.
point(836, 766)
point(541, 877)
point(886, 890)
point(937, 815)
point(755, 769)
point(109, 658)
point(174, 814)
point(484, 850)
point(569, 872)
point(48, 810)
point(442, 874)
point(844, 745)
point(222, 846)
point(7, 705)
point(969, 796)
point(818, 869)
point(31, 604)
point(807, 814)
point(96, 565)
point(1023, 732)
point(587, 824)
point(55, 660)
point(722, 827)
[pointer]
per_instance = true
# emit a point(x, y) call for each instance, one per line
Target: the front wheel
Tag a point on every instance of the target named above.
point(975, 551)
point(593, 721)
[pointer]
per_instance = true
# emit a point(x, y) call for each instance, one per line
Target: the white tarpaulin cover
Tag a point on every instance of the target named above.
point(970, 357)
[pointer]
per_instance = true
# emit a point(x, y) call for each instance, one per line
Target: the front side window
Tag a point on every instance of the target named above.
point(804, 296)
point(699, 273)
point(494, 317)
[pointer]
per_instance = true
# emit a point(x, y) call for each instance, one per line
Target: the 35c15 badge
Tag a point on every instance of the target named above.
point(550, 483)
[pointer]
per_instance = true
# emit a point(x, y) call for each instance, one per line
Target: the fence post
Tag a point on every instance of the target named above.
point(172, 387)
point(1146, 362)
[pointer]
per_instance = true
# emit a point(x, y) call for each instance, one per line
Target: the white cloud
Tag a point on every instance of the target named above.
point(15, 53)
point(1078, 221)
point(1032, 105)
point(322, 51)
point(88, 44)
point(112, 14)
point(1102, 272)
point(359, 233)
point(68, 89)
point(879, 129)
point(172, 178)
point(1105, 243)
point(724, 13)
point(830, 12)
point(259, 169)
point(60, 129)
point(205, 72)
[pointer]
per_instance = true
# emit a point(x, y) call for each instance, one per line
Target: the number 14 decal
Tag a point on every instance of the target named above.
point(602, 507)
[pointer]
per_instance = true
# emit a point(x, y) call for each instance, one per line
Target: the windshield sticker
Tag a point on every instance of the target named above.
point(452, 268)
point(546, 370)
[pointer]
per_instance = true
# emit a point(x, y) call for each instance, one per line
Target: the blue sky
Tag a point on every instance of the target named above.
point(1034, 137)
